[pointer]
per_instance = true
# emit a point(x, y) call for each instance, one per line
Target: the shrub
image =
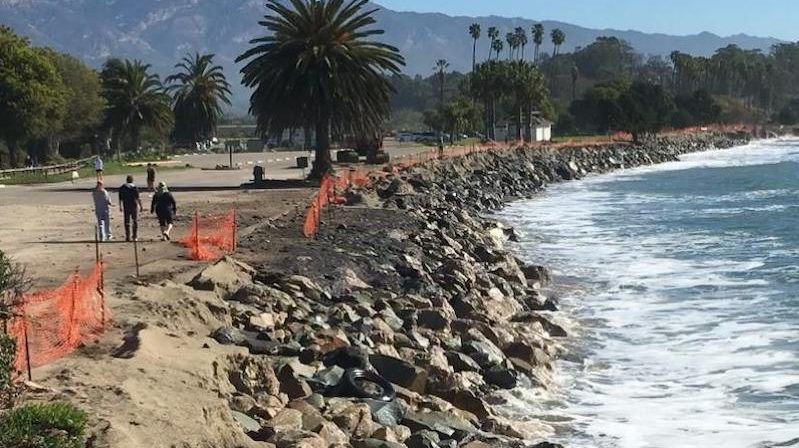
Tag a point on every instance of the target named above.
point(8, 351)
point(53, 425)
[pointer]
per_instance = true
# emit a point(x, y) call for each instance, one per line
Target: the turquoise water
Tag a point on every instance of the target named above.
point(682, 281)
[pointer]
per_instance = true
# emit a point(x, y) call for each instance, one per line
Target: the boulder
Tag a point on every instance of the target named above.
point(483, 351)
point(400, 372)
point(298, 439)
point(461, 362)
point(501, 377)
point(537, 274)
point(248, 424)
point(385, 413)
point(348, 358)
point(446, 424)
point(467, 400)
point(228, 336)
point(432, 319)
point(423, 439)
point(355, 419)
point(553, 329)
point(331, 433)
point(376, 443)
point(286, 420)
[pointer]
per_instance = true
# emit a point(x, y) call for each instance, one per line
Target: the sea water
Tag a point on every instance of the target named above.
point(682, 281)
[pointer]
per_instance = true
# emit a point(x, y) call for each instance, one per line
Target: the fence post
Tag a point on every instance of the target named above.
point(27, 347)
point(235, 230)
point(197, 234)
point(136, 255)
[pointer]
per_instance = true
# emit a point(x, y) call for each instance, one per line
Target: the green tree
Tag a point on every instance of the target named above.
point(84, 105)
point(136, 101)
point(199, 90)
point(497, 45)
point(645, 109)
point(316, 68)
point(558, 38)
point(474, 31)
point(599, 109)
point(538, 39)
point(521, 39)
point(32, 99)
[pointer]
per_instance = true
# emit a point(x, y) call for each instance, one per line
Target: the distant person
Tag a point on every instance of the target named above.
point(130, 205)
point(164, 207)
point(98, 168)
point(75, 176)
point(102, 206)
point(151, 177)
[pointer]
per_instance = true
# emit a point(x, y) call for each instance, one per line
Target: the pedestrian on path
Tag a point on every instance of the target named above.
point(164, 207)
point(102, 207)
point(99, 166)
point(151, 177)
point(130, 205)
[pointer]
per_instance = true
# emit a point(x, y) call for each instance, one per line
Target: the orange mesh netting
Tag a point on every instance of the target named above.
point(212, 236)
point(59, 320)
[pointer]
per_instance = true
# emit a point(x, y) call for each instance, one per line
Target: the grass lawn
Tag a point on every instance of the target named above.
point(87, 172)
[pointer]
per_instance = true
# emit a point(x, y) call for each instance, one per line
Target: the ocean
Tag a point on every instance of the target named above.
point(681, 281)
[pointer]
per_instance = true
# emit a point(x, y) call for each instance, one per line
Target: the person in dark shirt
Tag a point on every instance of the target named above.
point(130, 205)
point(164, 207)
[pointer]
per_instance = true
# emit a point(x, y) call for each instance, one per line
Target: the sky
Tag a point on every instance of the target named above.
point(765, 18)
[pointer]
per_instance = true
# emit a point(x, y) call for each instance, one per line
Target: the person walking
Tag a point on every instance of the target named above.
point(99, 166)
point(130, 205)
point(102, 206)
point(151, 177)
point(164, 207)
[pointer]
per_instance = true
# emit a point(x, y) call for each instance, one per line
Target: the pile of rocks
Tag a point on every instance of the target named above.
point(419, 290)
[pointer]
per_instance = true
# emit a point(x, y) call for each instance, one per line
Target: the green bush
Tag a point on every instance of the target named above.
point(54, 425)
point(8, 351)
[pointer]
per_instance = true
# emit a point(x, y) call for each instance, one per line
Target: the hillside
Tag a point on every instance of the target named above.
point(161, 31)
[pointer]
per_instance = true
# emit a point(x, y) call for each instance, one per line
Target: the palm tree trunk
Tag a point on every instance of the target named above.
point(323, 163)
point(474, 55)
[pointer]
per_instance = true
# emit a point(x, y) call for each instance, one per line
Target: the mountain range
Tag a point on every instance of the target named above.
point(162, 31)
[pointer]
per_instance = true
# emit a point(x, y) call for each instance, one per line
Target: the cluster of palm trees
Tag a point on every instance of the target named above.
point(516, 40)
point(189, 102)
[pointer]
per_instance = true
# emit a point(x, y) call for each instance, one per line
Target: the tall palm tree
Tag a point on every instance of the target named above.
point(521, 38)
point(199, 90)
point(497, 45)
point(558, 38)
point(511, 39)
point(135, 99)
point(474, 31)
point(317, 67)
point(441, 70)
point(493, 35)
point(538, 39)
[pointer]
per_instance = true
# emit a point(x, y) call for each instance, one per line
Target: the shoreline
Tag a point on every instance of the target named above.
point(410, 280)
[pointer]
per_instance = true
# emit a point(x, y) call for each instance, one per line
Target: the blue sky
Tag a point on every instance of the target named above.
point(773, 18)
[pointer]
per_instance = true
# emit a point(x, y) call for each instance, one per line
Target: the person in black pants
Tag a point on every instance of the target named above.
point(164, 207)
point(130, 205)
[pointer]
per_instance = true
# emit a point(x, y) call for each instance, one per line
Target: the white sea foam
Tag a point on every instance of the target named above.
point(686, 339)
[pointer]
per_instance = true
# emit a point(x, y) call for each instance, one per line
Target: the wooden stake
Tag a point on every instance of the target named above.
point(136, 255)
point(27, 349)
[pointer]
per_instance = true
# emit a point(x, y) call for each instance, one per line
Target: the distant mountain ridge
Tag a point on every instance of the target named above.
point(161, 31)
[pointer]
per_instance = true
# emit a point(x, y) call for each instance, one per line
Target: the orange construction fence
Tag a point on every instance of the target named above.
point(211, 236)
point(48, 325)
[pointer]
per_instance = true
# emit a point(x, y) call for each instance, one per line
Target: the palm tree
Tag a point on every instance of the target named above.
point(558, 38)
point(521, 37)
point(474, 31)
point(441, 69)
point(316, 67)
point(135, 99)
point(493, 34)
point(497, 45)
point(538, 39)
point(199, 90)
point(511, 39)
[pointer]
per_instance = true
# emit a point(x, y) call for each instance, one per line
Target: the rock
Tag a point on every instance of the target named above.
point(332, 434)
point(483, 351)
point(400, 372)
point(355, 419)
point(410, 266)
point(553, 329)
point(385, 434)
point(462, 363)
point(432, 319)
point(423, 439)
point(267, 406)
point(263, 321)
point(501, 377)
point(330, 377)
point(294, 387)
point(527, 353)
point(299, 439)
point(386, 413)
point(376, 443)
point(467, 400)
point(476, 444)
point(247, 423)
point(537, 274)
point(447, 424)
point(241, 403)
point(308, 287)
point(224, 277)
point(228, 336)
point(286, 420)
point(253, 375)
point(348, 358)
